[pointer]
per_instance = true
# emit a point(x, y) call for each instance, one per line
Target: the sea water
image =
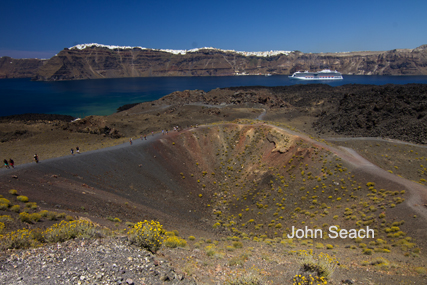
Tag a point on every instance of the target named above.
point(82, 98)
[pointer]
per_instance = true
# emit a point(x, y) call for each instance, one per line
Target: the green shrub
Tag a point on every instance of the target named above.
point(210, 250)
point(237, 244)
point(421, 270)
point(18, 239)
point(229, 248)
point(51, 216)
point(15, 208)
point(148, 235)
point(6, 219)
point(245, 279)
point(4, 201)
point(367, 251)
point(23, 199)
point(70, 218)
point(116, 220)
point(31, 205)
point(380, 261)
point(35, 217)
point(25, 217)
point(174, 241)
point(321, 265)
point(69, 230)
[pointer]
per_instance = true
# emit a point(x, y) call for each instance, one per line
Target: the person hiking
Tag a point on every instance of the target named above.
point(77, 149)
point(11, 163)
point(6, 164)
point(36, 158)
point(145, 137)
point(130, 141)
point(72, 151)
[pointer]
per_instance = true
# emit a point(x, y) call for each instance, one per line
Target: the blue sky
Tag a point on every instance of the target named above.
point(43, 28)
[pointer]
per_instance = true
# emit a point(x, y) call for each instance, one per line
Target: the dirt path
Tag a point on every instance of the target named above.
point(262, 115)
point(344, 139)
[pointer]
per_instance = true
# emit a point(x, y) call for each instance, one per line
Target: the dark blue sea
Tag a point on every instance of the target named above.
point(103, 96)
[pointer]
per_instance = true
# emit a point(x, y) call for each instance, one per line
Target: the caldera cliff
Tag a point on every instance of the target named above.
point(91, 61)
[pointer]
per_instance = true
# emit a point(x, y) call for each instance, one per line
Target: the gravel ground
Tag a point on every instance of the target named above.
point(96, 261)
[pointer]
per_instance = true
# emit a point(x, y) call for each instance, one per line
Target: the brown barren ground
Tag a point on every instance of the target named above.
point(225, 182)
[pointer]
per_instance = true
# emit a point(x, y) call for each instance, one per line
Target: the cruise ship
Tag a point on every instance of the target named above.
point(325, 74)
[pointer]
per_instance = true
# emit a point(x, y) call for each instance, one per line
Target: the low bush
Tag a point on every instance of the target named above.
point(35, 217)
point(66, 230)
point(174, 241)
point(15, 208)
point(317, 265)
point(6, 219)
point(148, 235)
point(23, 199)
point(303, 280)
point(18, 239)
point(25, 217)
point(210, 250)
point(247, 278)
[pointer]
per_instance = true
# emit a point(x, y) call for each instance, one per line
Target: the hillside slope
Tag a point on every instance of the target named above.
point(248, 181)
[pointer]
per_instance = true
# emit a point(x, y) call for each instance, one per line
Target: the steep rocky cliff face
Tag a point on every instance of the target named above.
point(19, 68)
point(112, 62)
point(103, 62)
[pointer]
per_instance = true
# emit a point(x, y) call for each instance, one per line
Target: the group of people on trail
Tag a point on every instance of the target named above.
point(9, 164)
point(176, 129)
point(77, 150)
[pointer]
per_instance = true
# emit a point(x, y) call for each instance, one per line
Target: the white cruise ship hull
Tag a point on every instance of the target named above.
point(321, 75)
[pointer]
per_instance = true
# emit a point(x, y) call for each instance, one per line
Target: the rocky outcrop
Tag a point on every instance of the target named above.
point(102, 62)
point(19, 68)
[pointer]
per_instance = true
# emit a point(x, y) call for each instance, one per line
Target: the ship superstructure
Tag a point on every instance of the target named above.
point(325, 74)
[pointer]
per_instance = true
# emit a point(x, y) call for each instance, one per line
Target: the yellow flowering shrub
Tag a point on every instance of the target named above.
point(4, 203)
point(320, 265)
point(35, 217)
point(174, 241)
point(303, 280)
point(2, 226)
point(6, 219)
point(18, 239)
point(25, 217)
point(22, 198)
point(66, 230)
point(148, 235)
